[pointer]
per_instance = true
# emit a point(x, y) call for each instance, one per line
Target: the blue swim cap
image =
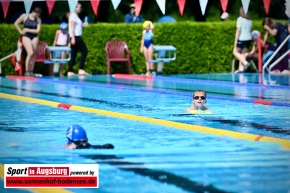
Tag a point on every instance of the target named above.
point(75, 133)
point(63, 26)
point(255, 34)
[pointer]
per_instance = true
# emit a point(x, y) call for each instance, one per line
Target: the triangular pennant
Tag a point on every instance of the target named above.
point(224, 4)
point(50, 4)
point(181, 4)
point(246, 4)
point(5, 7)
point(138, 6)
point(203, 4)
point(161, 4)
point(27, 5)
point(116, 3)
point(95, 6)
point(267, 5)
point(72, 5)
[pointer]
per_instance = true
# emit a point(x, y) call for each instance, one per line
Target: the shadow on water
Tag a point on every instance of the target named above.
point(11, 128)
point(157, 175)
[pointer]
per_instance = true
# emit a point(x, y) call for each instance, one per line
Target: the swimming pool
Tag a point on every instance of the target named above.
point(158, 147)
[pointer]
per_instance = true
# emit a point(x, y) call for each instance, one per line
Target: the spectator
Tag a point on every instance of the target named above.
point(279, 32)
point(243, 39)
point(32, 26)
point(132, 17)
point(62, 39)
point(77, 43)
point(146, 45)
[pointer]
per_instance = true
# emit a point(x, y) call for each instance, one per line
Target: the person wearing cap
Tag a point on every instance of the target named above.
point(77, 139)
point(62, 39)
point(132, 17)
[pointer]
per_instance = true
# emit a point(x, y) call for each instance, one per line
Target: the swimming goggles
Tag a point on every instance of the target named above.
point(199, 97)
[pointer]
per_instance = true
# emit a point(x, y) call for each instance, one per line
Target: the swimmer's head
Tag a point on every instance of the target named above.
point(75, 133)
point(146, 24)
point(63, 26)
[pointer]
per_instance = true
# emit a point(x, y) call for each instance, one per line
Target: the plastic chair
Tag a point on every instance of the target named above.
point(117, 51)
point(42, 53)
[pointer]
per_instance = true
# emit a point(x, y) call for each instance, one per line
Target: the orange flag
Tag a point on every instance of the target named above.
point(267, 5)
point(224, 4)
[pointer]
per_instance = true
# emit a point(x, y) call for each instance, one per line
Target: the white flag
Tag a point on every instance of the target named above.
point(27, 5)
point(72, 5)
point(116, 3)
point(203, 4)
point(246, 4)
point(161, 4)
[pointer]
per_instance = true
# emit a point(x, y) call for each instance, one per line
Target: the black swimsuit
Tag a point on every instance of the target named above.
point(30, 24)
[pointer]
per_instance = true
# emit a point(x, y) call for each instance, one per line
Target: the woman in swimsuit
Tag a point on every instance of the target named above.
point(32, 24)
point(146, 45)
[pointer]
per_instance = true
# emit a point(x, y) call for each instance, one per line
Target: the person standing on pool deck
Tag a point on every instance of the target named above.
point(199, 101)
point(77, 43)
point(147, 45)
point(77, 139)
point(32, 26)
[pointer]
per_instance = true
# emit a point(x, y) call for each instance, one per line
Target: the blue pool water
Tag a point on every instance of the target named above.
point(151, 157)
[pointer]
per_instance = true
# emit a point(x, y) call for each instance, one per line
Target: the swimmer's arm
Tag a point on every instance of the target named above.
point(18, 21)
point(190, 109)
point(142, 42)
point(106, 146)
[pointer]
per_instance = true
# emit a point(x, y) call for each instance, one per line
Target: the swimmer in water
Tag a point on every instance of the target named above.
point(199, 100)
point(77, 139)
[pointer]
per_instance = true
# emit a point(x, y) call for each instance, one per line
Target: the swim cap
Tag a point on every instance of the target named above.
point(75, 133)
point(146, 24)
point(255, 34)
point(63, 26)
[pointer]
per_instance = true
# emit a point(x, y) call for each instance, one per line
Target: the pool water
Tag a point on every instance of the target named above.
point(154, 157)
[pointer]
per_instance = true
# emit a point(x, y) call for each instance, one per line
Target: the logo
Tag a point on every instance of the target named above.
point(51, 175)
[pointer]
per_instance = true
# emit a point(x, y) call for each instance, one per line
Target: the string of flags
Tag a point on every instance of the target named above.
point(138, 5)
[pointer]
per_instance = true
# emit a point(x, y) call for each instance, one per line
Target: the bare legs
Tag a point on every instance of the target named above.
point(30, 47)
point(240, 55)
point(148, 54)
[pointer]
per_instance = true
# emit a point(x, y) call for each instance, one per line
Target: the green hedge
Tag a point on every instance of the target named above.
point(201, 47)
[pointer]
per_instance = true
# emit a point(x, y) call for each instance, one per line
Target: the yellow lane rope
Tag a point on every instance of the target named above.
point(202, 129)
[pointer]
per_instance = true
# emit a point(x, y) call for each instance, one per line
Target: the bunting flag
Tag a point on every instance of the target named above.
point(95, 6)
point(181, 5)
point(72, 5)
point(203, 4)
point(5, 7)
point(161, 4)
point(246, 4)
point(224, 4)
point(27, 5)
point(138, 6)
point(116, 3)
point(50, 4)
point(267, 5)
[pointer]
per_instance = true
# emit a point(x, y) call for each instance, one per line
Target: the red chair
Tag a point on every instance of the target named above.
point(117, 51)
point(42, 53)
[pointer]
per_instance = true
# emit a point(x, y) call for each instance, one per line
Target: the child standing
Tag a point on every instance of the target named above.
point(62, 39)
point(146, 45)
